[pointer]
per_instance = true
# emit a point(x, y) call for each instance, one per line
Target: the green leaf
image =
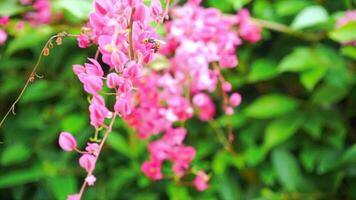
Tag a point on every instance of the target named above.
point(310, 78)
point(41, 90)
point(176, 192)
point(287, 169)
point(19, 177)
point(310, 16)
point(313, 126)
point(281, 129)
point(73, 123)
point(350, 154)
point(16, 153)
point(78, 9)
point(345, 33)
point(262, 69)
point(290, 7)
point(255, 155)
point(299, 60)
point(224, 6)
point(118, 143)
point(62, 186)
point(329, 160)
point(31, 40)
point(238, 4)
point(10, 8)
point(228, 187)
point(349, 51)
point(329, 94)
point(271, 105)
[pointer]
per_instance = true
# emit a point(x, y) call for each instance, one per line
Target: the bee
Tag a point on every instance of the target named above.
point(156, 43)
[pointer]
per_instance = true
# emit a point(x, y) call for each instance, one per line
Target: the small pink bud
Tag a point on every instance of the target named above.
point(73, 197)
point(226, 86)
point(201, 181)
point(83, 41)
point(4, 20)
point(140, 13)
point(67, 142)
point(229, 111)
point(87, 162)
point(235, 99)
point(90, 180)
point(152, 169)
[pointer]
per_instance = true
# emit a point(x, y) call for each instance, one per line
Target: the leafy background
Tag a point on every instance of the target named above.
point(295, 131)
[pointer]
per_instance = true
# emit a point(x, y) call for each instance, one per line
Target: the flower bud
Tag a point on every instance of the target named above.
point(67, 142)
point(113, 80)
point(87, 162)
point(235, 99)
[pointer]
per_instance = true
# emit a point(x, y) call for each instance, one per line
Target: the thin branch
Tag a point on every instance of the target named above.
point(106, 134)
point(311, 37)
point(131, 27)
point(33, 74)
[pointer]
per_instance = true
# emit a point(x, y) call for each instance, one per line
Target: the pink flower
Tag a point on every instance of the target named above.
point(78, 69)
point(98, 111)
point(4, 20)
point(235, 99)
point(87, 162)
point(90, 180)
point(20, 25)
point(94, 68)
point(152, 169)
point(349, 16)
point(140, 13)
point(73, 197)
point(248, 30)
point(205, 106)
point(126, 86)
point(159, 150)
point(156, 10)
point(92, 84)
point(132, 70)
point(175, 136)
point(92, 148)
point(201, 181)
point(123, 105)
point(102, 6)
point(3, 37)
point(118, 60)
point(67, 142)
point(181, 157)
point(229, 110)
point(113, 80)
point(83, 41)
point(226, 86)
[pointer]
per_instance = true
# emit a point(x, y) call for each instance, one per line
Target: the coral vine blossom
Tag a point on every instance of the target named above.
point(199, 44)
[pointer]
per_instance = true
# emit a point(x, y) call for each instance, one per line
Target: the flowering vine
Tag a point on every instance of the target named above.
point(198, 44)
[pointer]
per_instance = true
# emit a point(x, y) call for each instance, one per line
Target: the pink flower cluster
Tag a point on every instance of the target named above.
point(200, 42)
point(4, 20)
point(197, 38)
point(41, 13)
point(348, 17)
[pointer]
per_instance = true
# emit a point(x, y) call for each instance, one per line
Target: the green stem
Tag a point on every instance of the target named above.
point(311, 37)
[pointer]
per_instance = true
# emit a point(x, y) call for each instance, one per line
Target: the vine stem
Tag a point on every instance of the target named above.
point(106, 134)
point(132, 52)
point(311, 37)
point(225, 102)
point(33, 74)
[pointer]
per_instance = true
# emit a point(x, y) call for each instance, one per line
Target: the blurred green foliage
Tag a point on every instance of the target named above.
point(295, 131)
